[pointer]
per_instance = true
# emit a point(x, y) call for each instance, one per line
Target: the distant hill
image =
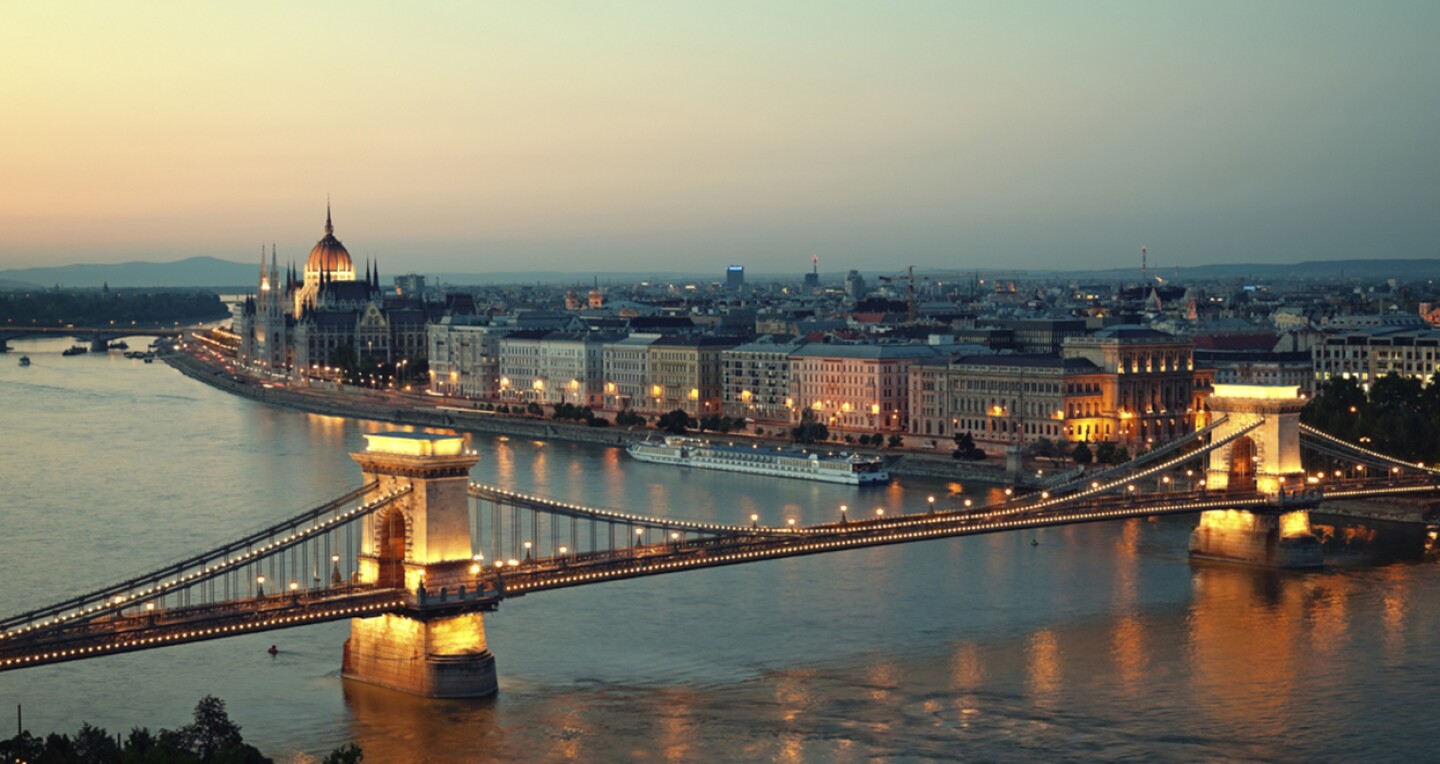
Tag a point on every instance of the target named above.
point(190, 272)
point(226, 274)
point(1368, 269)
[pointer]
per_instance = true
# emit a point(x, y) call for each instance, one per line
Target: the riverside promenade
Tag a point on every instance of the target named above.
point(422, 410)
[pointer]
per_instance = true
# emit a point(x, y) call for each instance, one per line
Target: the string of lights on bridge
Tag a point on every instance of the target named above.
point(1308, 430)
point(204, 633)
point(204, 574)
point(641, 566)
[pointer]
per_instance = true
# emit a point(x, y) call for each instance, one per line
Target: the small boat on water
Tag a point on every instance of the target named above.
point(121, 345)
point(24, 360)
point(75, 350)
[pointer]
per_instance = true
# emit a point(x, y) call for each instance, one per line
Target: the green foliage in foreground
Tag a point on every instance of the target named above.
point(212, 738)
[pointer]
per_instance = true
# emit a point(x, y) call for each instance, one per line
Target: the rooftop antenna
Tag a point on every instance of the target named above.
point(815, 264)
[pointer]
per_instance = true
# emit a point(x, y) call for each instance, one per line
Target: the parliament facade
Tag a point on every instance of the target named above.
point(297, 322)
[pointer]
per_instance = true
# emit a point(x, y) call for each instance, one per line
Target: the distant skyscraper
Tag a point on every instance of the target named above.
point(735, 277)
point(855, 285)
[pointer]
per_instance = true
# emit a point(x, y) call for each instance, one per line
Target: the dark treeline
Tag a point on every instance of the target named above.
point(212, 738)
point(99, 308)
point(1398, 418)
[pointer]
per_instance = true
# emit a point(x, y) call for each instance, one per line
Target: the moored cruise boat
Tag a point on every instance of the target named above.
point(807, 464)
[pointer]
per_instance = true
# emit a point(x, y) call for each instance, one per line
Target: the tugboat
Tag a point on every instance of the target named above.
point(24, 360)
point(76, 350)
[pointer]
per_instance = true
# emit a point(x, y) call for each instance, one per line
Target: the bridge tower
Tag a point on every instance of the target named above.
point(419, 543)
point(1266, 459)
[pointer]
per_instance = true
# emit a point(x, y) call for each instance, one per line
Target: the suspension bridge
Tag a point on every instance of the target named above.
point(416, 554)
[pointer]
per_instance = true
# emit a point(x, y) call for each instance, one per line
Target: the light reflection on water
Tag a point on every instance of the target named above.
point(1102, 641)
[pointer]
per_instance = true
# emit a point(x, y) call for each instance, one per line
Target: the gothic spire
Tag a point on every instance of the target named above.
point(329, 229)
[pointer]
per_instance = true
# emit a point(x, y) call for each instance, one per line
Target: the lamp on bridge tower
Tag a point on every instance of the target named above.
point(1265, 458)
point(419, 543)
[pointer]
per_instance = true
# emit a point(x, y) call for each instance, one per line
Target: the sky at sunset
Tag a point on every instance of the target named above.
point(672, 136)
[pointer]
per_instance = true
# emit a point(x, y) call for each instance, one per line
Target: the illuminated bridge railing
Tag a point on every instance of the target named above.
point(314, 549)
point(78, 640)
point(1379, 488)
point(511, 526)
point(654, 559)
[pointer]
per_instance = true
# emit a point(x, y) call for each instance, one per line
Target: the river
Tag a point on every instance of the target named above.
point(1102, 642)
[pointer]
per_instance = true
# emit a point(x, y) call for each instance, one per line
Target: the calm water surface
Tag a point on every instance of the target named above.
point(1102, 643)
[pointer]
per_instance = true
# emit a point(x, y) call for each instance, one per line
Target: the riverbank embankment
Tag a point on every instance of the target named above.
point(421, 411)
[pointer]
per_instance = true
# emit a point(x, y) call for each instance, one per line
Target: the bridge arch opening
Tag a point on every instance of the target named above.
point(1242, 464)
point(391, 550)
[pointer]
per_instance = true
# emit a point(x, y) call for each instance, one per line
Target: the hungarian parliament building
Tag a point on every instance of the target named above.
point(297, 322)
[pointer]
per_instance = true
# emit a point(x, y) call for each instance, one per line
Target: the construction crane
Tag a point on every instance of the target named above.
point(909, 275)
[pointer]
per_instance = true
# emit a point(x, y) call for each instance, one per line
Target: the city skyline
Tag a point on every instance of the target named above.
point(686, 139)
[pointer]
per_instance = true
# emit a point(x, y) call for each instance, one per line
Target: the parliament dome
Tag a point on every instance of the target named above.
point(329, 255)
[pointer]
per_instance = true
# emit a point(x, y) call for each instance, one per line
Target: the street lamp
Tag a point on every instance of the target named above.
point(932, 504)
point(843, 517)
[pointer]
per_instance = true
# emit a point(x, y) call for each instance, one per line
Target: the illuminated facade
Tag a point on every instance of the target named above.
point(295, 325)
point(757, 381)
point(627, 363)
point(328, 261)
point(464, 353)
point(1267, 458)
point(862, 388)
point(521, 378)
point(265, 323)
point(1007, 399)
point(1148, 392)
point(684, 373)
point(1367, 353)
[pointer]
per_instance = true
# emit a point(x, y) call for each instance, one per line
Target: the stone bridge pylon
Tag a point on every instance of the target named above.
point(1266, 459)
point(420, 543)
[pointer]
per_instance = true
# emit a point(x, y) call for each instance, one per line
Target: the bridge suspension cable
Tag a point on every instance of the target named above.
point(1144, 458)
point(273, 549)
point(1321, 440)
point(1097, 487)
